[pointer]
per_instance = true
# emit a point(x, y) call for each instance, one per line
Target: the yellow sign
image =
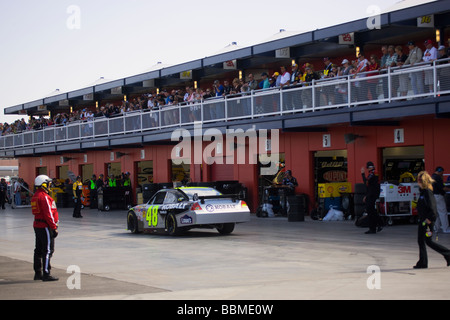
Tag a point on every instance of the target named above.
point(152, 216)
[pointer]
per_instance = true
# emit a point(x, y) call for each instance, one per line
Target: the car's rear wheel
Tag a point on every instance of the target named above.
point(132, 222)
point(226, 228)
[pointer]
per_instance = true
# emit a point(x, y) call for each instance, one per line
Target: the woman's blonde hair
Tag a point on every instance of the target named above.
point(424, 178)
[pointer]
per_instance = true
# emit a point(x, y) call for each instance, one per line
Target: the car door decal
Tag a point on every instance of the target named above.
point(152, 216)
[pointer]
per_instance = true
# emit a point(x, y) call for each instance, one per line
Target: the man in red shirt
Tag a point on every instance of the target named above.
point(45, 227)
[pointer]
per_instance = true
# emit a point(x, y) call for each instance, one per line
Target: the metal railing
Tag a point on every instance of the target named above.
point(405, 83)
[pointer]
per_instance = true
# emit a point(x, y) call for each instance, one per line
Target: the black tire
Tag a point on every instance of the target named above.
point(346, 202)
point(362, 221)
point(171, 225)
point(226, 228)
point(360, 188)
point(132, 222)
point(359, 210)
point(358, 198)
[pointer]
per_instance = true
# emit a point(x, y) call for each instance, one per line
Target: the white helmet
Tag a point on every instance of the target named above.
point(40, 180)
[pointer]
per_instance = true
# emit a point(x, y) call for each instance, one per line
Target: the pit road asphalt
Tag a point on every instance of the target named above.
point(266, 258)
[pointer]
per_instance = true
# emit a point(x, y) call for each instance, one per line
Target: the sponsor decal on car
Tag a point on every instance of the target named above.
point(181, 205)
point(186, 219)
point(214, 207)
point(152, 216)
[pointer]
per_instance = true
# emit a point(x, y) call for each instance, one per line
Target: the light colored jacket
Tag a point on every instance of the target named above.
point(415, 56)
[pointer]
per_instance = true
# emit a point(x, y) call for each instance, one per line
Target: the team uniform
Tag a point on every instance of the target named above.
point(45, 227)
point(77, 193)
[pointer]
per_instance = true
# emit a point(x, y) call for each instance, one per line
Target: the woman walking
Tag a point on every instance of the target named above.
point(426, 207)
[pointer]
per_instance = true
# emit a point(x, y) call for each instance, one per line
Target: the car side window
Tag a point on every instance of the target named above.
point(159, 198)
point(171, 197)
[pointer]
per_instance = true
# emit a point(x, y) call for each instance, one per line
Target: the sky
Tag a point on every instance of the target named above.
point(67, 45)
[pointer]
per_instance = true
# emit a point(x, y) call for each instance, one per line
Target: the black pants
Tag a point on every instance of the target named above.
point(372, 214)
point(44, 248)
point(423, 240)
point(2, 200)
point(93, 198)
point(77, 208)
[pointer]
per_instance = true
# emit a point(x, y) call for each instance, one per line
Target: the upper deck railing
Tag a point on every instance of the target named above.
point(405, 83)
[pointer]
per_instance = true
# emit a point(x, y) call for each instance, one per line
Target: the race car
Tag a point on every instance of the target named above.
point(181, 209)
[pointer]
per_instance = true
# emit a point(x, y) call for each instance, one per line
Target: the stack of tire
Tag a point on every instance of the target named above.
point(298, 207)
point(63, 200)
point(232, 187)
point(348, 206)
point(149, 190)
point(359, 206)
point(202, 184)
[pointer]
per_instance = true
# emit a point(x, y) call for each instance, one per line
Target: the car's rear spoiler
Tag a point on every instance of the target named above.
point(233, 197)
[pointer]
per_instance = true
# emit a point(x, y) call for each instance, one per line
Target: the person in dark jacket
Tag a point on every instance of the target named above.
point(3, 193)
point(290, 182)
point(372, 194)
point(427, 211)
point(93, 192)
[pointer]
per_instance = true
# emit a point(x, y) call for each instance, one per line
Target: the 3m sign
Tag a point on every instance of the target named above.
point(404, 189)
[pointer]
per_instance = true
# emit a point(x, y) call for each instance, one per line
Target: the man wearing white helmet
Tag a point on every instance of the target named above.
point(45, 227)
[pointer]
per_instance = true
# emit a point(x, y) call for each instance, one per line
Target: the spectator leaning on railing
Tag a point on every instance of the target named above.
point(391, 57)
point(403, 78)
point(415, 56)
point(444, 73)
point(429, 55)
point(374, 67)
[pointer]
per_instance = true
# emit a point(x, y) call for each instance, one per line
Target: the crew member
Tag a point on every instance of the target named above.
point(93, 191)
point(126, 180)
point(290, 181)
point(111, 181)
point(3, 192)
point(45, 228)
point(77, 193)
point(100, 184)
point(17, 194)
point(439, 190)
point(373, 193)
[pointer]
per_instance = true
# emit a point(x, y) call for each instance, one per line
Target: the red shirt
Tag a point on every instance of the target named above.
point(44, 210)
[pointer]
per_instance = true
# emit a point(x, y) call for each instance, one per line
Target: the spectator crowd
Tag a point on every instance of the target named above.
point(391, 56)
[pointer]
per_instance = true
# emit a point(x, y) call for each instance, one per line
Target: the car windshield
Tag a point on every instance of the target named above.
point(200, 191)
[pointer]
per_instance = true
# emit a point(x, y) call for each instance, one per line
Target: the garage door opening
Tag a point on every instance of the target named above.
point(180, 173)
point(87, 170)
point(144, 170)
point(330, 180)
point(62, 173)
point(402, 164)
